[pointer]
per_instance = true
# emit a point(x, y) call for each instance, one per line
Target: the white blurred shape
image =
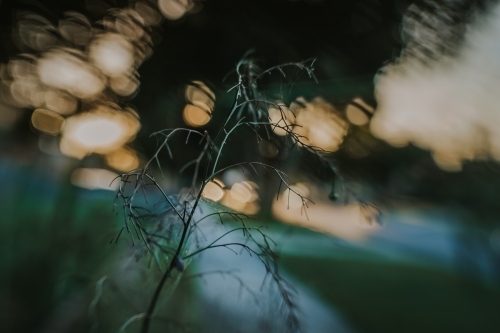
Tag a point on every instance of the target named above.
point(36, 31)
point(281, 117)
point(65, 69)
point(60, 102)
point(24, 86)
point(27, 91)
point(356, 112)
point(242, 198)
point(101, 130)
point(21, 68)
point(129, 23)
point(174, 9)
point(112, 53)
point(349, 222)
point(200, 96)
point(229, 201)
point(213, 191)
point(148, 13)
point(233, 176)
point(450, 107)
point(320, 124)
point(241, 192)
point(76, 28)
point(95, 179)
point(200, 85)
point(124, 85)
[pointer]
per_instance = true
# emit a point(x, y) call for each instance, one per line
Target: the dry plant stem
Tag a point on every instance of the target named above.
point(261, 249)
point(159, 288)
point(156, 295)
point(207, 178)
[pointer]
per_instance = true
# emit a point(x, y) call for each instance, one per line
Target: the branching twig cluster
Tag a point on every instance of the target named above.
point(169, 239)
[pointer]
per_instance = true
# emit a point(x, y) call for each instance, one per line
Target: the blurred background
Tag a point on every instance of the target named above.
point(405, 99)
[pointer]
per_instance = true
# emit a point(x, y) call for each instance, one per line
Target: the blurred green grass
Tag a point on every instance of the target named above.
point(377, 296)
point(54, 244)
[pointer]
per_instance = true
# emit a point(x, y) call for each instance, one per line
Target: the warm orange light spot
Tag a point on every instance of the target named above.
point(213, 191)
point(241, 192)
point(349, 222)
point(195, 116)
point(60, 102)
point(94, 179)
point(356, 115)
point(129, 23)
point(201, 102)
point(47, 121)
point(65, 69)
point(112, 53)
point(448, 161)
point(174, 9)
point(281, 119)
point(149, 14)
point(27, 91)
point(123, 159)
point(76, 28)
point(101, 130)
point(320, 125)
point(124, 85)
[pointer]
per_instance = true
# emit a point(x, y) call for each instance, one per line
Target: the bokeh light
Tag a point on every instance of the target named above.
point(34, 31)
point(149, 14)
point(47, 121)
point(352, 222)
point(358, 112)
point(214, 190)
point(447, 105)
point(67, 70)
point(112, 53)
point(60, 102)
point(75, 28)
point(195, 116)
point(244, 192)
point(94, 179)
point(124, 85)
point(319, 124)
point(129, 23)
point(201, 100)
point(249, 207)
point(281, 117)
point(20, 84)
point(80, 64)
point(291, 197)
point(242, 196)
point(174, 9)
point(100, 130)
point(123, 159)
